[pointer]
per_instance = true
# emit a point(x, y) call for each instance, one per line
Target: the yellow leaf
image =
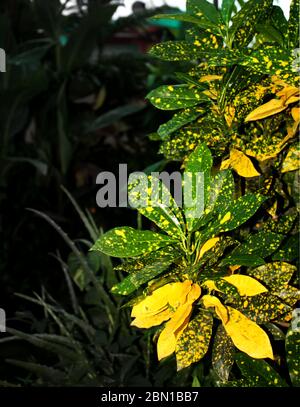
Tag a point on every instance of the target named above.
point(268, 109)
point(273, 209)
point(233, 268)
point(166, 343)
point(161, 304)
point(246, 285)
point(147, 321)
point(209, 78)
point(209, 301)
point(229, 115)
point(287, 92)
point(211, 93)
point(194, 294)
point(241, 164)
point(291, 100)
point(210, 285)
point(208, 245)
point(226, 218)
point(100, 98)
point(296, 114)
point(292, 160)
point(246, 335)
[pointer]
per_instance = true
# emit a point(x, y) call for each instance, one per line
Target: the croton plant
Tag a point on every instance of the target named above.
point(223, 285)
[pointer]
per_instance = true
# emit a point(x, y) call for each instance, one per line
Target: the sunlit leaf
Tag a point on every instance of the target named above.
point(246, 335)
point(246, 285)
point(241, 164)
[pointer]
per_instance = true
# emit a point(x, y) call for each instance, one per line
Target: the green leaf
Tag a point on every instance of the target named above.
point(176, 97)
point(278, 19)
point(227, 10)
point(238, 212)
point(274, 275)
point(187, 18)
point(193, 343)
point(258, 372)
point(261, 308)
point(191, 80)
point(128, 242)
point(136, 264)
point(248, 260)
point(83, 39)
point(275, 331)
point(271, 60)
point(113, 116)
point(188, 51)
point(178, 120)
point(261, 244)
point(197, 175)
point(289, 250)
point(244, 22)
point(292, 347)
point(270, 33)
point(45, 373)
point(282, 225)
point(161, 208)
point(152, 265)
point(203, 9)
point(221, 191)
point(222, 354)
point(225, 287)
point(293, 25)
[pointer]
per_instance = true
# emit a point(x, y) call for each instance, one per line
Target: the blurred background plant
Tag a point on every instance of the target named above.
point(72, 105)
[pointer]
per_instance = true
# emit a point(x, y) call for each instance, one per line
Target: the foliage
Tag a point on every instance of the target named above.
point(230, 283)
point(213, 282)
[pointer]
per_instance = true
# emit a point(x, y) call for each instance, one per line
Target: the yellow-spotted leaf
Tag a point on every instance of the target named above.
point(261, 308)
point(241, 164)
point(193, 344)
point(246, 285)
point(128, 242)
point(270, 108)
point(292, 160)
point(222, 354)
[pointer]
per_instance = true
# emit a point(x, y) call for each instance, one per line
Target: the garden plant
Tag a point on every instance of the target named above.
point(219, 290)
